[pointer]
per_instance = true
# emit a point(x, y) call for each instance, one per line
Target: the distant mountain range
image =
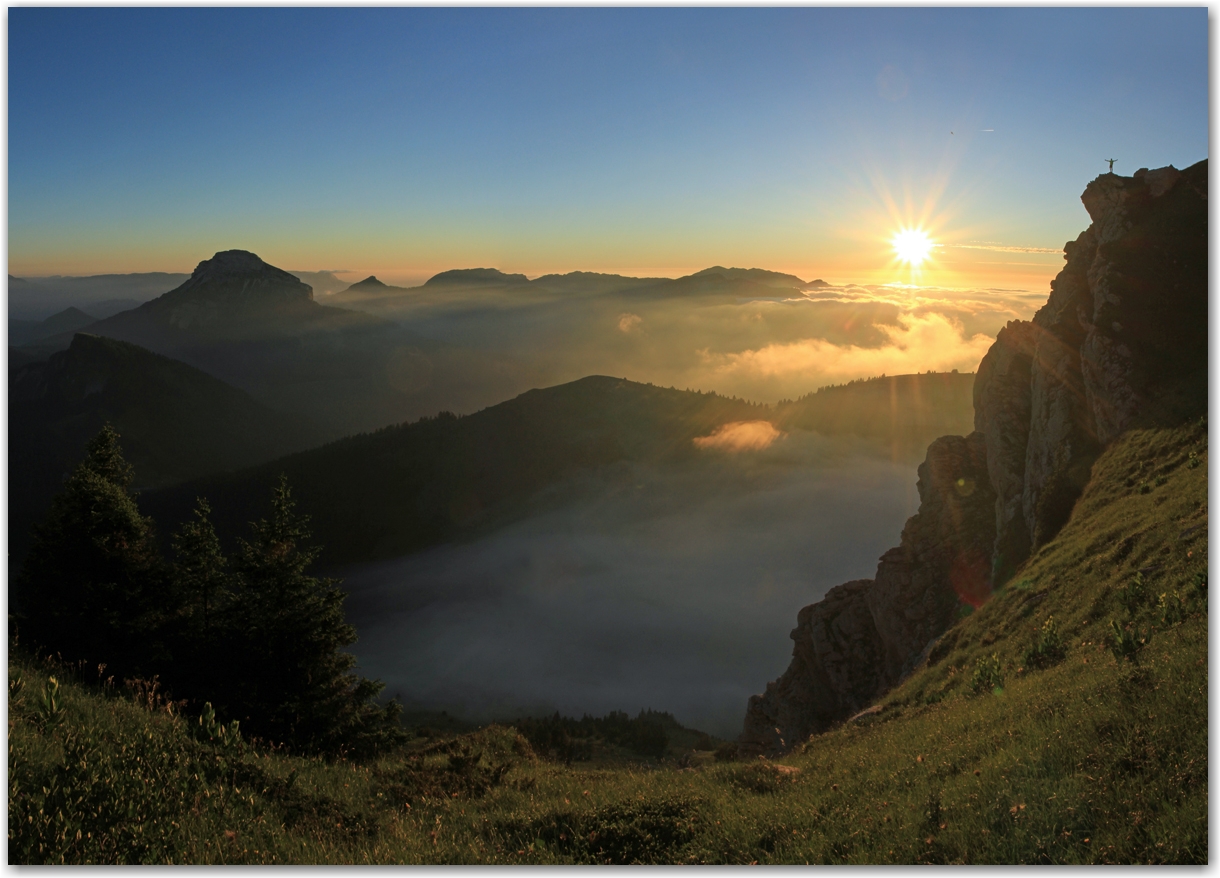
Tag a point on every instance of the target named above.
point(175, 421)
point(258, 327)
point(374, 353)
point(101, 295)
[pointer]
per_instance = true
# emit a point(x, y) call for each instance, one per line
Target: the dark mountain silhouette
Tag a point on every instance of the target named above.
point(370, 283)
point(474, 277)
point(758, 275)
point(175, 421)
point(68, 320)
point(406, 487)
point(369, 291)
point(234, 296)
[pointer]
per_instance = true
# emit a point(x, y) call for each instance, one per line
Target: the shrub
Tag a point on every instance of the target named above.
point(988, 674)
point(1126, 643)
point(1048, 649)
point(1133, 593)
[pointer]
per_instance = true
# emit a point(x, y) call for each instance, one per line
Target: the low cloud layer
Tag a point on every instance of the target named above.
point(672, 589)
point(740, 436)
point(918, 343)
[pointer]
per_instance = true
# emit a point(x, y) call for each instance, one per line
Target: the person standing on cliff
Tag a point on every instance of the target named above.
point(1111, 161)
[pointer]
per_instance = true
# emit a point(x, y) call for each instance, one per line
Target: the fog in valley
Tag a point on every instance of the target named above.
point(673, 590)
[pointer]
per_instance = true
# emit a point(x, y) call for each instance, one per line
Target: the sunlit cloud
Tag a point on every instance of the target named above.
point(740, 436)
point(629, 322)
point(919, 342)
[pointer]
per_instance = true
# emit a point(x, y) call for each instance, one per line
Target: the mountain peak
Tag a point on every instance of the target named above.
point(475, 277)
point(369, 283)
point(240, 277)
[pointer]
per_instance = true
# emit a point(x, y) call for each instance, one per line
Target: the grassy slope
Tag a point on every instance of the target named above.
point(1094, 759)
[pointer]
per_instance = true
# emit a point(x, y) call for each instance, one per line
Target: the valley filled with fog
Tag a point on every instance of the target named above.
point(670, 588)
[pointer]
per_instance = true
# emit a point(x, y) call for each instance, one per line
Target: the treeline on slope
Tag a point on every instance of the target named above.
point(914, 408)
point(577, 740)
point(253, 634)
point(409, 486)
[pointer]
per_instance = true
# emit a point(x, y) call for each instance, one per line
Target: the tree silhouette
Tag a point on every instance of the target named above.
point(293, 682)
point(93, 587)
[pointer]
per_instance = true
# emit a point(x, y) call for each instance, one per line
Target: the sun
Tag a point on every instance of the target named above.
point(912, 246)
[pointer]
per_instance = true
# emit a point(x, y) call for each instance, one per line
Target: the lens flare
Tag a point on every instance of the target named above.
point(912, 246)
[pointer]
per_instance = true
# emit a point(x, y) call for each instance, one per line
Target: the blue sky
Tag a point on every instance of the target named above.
point(660, 141)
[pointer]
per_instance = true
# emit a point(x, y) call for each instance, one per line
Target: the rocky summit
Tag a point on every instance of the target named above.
point(231, 282)
point(1120, 343)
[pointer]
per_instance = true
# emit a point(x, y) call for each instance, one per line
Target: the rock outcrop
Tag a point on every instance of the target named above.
point(1120, 343)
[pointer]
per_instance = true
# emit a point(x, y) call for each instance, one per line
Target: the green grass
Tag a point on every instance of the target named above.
point(1013, 745)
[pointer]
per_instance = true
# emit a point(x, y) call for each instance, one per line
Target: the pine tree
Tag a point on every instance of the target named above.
point(199, 572)
point(94, 587)
point(295, 683)
point(202, 661)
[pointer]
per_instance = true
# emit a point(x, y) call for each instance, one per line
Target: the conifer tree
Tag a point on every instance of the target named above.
point(295, 683)
point(199, 572)
point(202, 664)
point(94, 587)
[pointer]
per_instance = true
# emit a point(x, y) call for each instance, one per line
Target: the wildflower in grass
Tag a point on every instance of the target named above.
point(1171, 608)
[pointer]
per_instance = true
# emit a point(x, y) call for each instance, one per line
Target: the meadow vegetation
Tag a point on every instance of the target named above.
point(1064, 721)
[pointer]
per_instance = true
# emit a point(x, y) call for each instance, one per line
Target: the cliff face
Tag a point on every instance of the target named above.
point(1120, 343)
point(866, 635)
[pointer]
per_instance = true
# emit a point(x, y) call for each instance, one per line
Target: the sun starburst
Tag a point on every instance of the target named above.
point(912, 246)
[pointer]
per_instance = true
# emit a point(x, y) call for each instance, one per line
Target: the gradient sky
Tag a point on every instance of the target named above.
point(640, 141)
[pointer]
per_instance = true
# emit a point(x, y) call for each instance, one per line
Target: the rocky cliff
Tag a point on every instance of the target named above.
point(1120, 343)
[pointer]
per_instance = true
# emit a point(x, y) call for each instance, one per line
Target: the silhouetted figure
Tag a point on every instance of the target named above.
point(1111, 161)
